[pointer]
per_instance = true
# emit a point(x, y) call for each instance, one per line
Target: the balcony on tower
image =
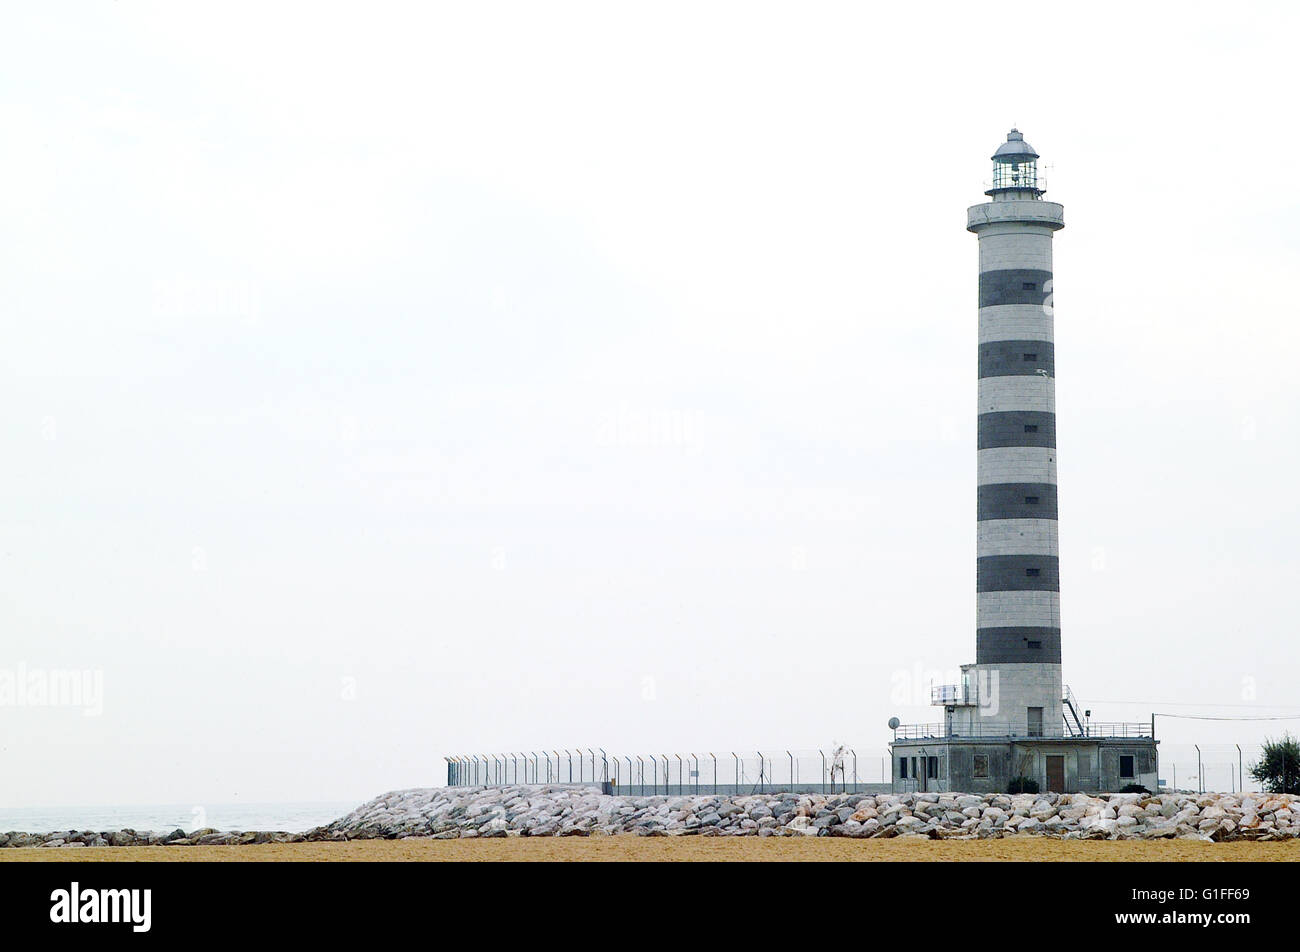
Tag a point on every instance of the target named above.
point(954, 695)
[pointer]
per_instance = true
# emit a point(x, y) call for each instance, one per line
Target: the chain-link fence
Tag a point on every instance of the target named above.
point(842, 770)
point(1209, 768)
point(1214, 768)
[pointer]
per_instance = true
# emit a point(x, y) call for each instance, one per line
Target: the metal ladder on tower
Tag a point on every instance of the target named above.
point(1071, 709)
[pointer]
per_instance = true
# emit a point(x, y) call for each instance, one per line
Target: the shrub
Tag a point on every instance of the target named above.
point(1133, 788)
point(1022, 785)
point(1278, 768)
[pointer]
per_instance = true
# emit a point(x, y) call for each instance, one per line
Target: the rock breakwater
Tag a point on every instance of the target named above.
point(203, 837)
point(467, 812)
point(566, 811)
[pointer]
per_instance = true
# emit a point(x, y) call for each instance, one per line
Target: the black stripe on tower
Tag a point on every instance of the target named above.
point(1016, 501)
point(1017, 645)
point(1014, 286)
point(1016, 428)
point(1017, 573)
point(1017, 358)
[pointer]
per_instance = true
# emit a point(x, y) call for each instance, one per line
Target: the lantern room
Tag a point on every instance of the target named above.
point(1015, 168)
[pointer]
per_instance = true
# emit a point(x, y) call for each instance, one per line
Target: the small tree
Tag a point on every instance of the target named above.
point(1278, 769)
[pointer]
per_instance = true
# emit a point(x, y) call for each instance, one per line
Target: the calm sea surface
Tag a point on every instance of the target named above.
point(286, 817)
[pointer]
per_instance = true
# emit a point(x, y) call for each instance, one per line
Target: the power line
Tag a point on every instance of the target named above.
point(1206, 717)
point(1279, 707)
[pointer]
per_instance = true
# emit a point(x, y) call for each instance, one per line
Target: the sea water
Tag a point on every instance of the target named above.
point(163, 818)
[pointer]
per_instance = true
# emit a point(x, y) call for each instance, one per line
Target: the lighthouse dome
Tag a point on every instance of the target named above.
point(1015, 149)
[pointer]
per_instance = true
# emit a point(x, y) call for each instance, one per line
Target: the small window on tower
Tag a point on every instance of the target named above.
point(1030, 286)
point(1031, 427)
point(1029, 358)
point(981, 767)
point(1031, 500)
point(1036, 644)
point(1126, 767)
point(1032, 573)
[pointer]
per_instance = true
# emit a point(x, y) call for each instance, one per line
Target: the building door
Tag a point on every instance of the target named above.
point(1055, 773)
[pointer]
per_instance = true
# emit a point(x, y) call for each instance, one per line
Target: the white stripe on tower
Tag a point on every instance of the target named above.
point(1016, 464)
point(1002, 394)
point(1015, 322)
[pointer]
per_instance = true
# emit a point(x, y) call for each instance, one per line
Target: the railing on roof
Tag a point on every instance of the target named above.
point(1091, 729)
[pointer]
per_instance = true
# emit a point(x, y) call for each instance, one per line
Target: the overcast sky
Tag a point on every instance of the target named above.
point(381, 382)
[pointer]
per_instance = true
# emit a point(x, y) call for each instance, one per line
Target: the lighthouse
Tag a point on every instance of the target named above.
point(1017, 577)
point(1010, 721)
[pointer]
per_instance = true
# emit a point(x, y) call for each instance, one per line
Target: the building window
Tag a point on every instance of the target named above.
point(1029, 286)
point(1032, 573)
point(1035, 644)
point(1035, 720)
point(1031, 427)
point(1126, 767)
point(932, 768)
point(1031, 500)
point(1030, 357)
point(902, 768)
point(981, 771)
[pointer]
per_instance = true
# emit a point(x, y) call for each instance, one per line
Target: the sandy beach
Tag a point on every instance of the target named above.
point(685, 849)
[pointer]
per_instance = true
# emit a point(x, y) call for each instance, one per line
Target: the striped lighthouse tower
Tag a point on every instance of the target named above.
point(1018, 611)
